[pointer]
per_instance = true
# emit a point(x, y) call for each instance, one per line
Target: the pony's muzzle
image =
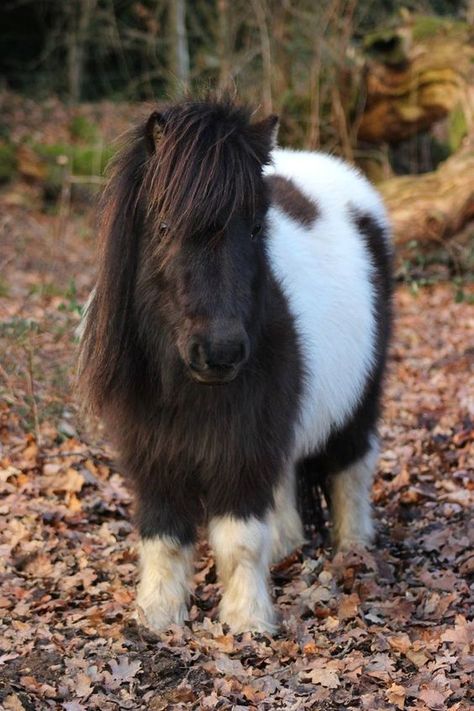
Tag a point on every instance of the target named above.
point(217, 360)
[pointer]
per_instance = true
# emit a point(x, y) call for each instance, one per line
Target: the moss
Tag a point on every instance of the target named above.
point(8, 162)
point(457, 128)
point(426, 26)
point(386, 45)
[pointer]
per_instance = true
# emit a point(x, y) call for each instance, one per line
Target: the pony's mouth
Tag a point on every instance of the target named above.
point(214, 376)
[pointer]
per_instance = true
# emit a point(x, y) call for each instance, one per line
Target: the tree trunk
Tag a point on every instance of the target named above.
point(80, 13)
point(224, 45)
point(265, 50)
point(179, 51)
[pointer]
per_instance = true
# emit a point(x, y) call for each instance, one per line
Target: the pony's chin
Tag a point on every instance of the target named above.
point(218, 377)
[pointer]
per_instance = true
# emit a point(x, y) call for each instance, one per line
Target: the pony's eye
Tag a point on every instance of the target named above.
point(256, 230)
point(164, 227)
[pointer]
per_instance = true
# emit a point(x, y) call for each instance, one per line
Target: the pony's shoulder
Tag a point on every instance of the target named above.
point(333, 182)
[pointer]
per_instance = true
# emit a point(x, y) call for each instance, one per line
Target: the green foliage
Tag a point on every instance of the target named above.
point(46, 290)
point(82, 129)
point(460, 295)
point(19, 329)
point(71, 305)
point(4, 289)
point(81, 160)
point(422, 267)
point(8, 163)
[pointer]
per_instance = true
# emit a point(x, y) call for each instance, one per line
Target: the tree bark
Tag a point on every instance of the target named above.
point(433, 206)
point(265, 50)
point(224, 47)
point(179, 51)
point(80, 13)
point(417, 74)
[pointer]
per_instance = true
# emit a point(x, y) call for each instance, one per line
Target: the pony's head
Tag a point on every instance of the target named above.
point(184, 233)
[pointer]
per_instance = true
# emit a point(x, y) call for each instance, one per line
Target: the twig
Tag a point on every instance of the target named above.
point(59, 455)
point(34, 406)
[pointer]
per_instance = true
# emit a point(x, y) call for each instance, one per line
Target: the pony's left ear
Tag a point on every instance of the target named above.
point(154, 130)
point(266, 132)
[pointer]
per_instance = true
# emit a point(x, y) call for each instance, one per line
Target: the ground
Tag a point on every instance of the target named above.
point(386, 630)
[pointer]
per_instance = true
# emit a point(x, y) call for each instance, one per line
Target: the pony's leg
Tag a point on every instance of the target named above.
point(350, 501)
point(242, 548)
point(286, 528)
point(166, 559)
point(165, 573)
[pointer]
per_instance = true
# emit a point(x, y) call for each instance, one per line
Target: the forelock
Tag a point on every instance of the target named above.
point(206, 167)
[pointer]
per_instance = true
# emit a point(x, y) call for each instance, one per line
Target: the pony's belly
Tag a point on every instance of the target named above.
point(325, 277)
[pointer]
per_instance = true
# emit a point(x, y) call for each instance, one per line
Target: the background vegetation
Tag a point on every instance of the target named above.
point(389, 88)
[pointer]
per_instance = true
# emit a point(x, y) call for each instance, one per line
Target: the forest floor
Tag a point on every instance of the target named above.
point(388, 630)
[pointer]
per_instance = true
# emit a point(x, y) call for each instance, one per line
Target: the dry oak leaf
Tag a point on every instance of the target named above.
point(417, 656)
point(82, 685)
point(70, 481)
point(12, 703)
point(324, 677)
point(433, 698)
point(381, 667)
point(40, 566)
point(462, 634)
point(400, 643)
point(396, 695)
point(124, 670)
point(349, 607)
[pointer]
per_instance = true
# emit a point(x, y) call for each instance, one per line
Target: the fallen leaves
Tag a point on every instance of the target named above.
point(381, 630)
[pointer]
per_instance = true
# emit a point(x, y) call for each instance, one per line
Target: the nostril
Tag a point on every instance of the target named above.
point(197, 355)
point(218, 354)
point(227, 355)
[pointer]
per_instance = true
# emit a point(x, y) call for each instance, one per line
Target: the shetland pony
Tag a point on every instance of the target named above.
point(235, 342)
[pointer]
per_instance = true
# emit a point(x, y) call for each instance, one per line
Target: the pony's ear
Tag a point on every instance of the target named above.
point(265, 133)
point(154, 130)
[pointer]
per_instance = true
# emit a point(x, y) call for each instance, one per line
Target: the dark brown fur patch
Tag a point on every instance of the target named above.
point(292, 201)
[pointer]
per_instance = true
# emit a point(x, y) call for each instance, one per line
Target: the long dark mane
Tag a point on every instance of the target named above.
point(189, 167)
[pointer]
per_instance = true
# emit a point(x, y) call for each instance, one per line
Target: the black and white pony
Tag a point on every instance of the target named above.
point(235, 341)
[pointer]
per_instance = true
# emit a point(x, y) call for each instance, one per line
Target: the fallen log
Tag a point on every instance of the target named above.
point(417, 74)
point(432, 206)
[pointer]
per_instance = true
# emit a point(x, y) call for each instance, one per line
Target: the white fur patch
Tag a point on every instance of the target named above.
point(350, 502)
point(286, 528)
point(163, 590)
point(242, 551)
point(325, 274)
point(79, 332)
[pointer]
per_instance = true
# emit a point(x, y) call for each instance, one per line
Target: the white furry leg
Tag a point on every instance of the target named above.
point(163, 590)
point(351, 502)
point(242, 551)
point(286, 529)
